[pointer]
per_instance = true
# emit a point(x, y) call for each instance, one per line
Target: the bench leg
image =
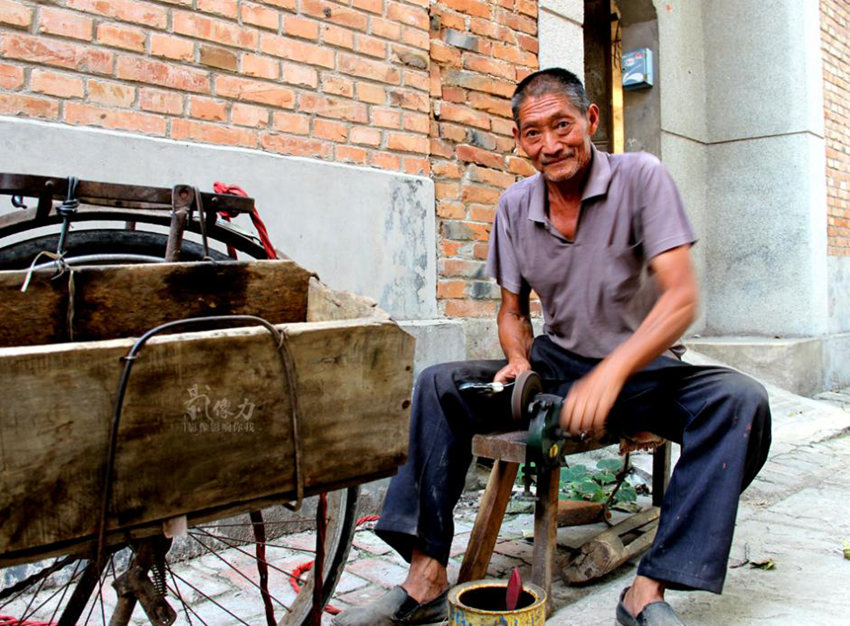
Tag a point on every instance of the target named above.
point(660, 472)
point(545, 528)
point(485, 531)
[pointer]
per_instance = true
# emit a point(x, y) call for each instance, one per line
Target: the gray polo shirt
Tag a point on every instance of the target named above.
point(595, 290)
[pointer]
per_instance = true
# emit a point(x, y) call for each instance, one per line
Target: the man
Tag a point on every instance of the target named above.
point(604, 242)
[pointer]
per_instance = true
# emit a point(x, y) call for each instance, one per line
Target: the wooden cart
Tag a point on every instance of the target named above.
point(215, 417)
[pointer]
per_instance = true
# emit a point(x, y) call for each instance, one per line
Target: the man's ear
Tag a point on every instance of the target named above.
point(592, 119)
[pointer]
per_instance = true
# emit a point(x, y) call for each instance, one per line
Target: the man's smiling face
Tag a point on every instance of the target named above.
point(556, 135)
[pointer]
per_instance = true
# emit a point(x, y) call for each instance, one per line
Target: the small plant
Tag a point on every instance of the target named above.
point(580, 483)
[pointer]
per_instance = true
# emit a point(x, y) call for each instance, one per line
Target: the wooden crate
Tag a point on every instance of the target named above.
point(206, 425)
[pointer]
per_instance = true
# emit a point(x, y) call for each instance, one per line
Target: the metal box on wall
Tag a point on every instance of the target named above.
point(637, 69)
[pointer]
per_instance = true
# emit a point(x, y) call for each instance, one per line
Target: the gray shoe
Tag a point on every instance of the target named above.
point(653, 614)
point(396, 607)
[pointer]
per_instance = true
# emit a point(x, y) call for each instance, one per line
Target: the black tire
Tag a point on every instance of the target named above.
point(20, 255)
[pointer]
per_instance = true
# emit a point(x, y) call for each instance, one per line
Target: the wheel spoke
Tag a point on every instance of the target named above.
point(203, 595)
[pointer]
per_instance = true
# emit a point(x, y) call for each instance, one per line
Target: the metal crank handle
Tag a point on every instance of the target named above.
point(489, 388)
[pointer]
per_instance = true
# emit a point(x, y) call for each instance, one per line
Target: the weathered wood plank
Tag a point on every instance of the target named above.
point(206, 423)
point(325, 303)
point(127, 300)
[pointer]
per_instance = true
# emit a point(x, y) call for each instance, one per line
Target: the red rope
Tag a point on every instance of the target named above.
point(236, 190)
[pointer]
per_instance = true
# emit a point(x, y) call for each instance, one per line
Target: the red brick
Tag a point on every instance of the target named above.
point(157, 73)
point(480, 250)
point(479, 156)
point(371, 46)
point(446, 169)
point(299, 75)
point(335, 14)
point(11, 76)
point(219, 58)
point(259, 66)
point(445, 54)
point(218, 31)
point(159, 101)
point(451, 20)
point(444, 190)
point(336, 36)
point(39, 50)
point(28, 106)
point(338, 86)
point(296, 146)
point(65, 24)
point(441, 148)
point(451, 209)
point(172, 47)
point(475, 8)
point(132, 11)
point(410, 100)
point(111, 94)
point(412, 16)
point(470, 308)
point(520, 166)
point(491, 177)
point(87, 115)
point(54, 84)
point(372, 94)
point(286, 48)
point(350, 154)
point(486, 65)
point(527, 7)
point(259, 15)
point(386, 118)
point(491, 104)
point(15, 14)
point(417, 123)
point(416, 80)
point(249, 115)
point(254, 91)
point(207, 109)
point(452, 132)
point(366, 136)
point(385, 160)
point(477, 82)
point(373, 70)
point(503, 126)
point(301, 27)
point(120, 36)
point(521, 23)
point(451, 248)
point(289, 5)
point(464, 115)
point(225, 8)
point(479, 194)
point(332, 131)
point(407, 142)
point(416, 38)
point(386, 29)
point(372, 6)
point(206, 132)
point(291, 123)
point(451, 289)
point(337, 108)
point(528, 43)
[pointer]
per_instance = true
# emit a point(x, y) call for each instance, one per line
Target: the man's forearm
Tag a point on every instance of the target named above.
point(515, 336)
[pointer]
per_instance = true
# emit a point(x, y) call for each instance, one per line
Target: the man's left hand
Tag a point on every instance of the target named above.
point(590, 400)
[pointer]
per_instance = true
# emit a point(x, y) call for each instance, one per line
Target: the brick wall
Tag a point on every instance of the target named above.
point(479, 50)
point(835, 49)
point(415, 86)
point(343, 81)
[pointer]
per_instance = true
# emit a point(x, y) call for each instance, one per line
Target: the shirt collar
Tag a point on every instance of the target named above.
point(598, 179)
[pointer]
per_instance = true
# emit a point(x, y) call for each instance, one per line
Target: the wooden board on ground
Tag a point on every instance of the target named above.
point(611, 548)
point(206, 422)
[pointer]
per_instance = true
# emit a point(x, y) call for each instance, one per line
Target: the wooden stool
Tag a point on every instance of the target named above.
point(507, 450)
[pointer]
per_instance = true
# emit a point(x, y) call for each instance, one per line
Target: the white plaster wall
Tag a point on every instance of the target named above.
point(561, 36)
point(364, 230)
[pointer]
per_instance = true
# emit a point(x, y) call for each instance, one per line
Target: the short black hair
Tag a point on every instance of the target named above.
point(551, 80)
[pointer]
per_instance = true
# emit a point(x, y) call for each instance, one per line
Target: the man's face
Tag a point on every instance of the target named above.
point(555, 135)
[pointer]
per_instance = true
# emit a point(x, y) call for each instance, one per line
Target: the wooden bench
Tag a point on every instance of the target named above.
point(507, 450)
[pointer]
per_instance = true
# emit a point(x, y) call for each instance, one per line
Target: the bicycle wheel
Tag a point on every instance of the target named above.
point(214, 574)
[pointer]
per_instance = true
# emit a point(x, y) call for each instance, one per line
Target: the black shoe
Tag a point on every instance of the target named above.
point(653, 614)
point(396, 607)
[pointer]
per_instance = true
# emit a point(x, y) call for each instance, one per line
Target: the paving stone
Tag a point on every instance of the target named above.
point(379, 571)
point(367, 540)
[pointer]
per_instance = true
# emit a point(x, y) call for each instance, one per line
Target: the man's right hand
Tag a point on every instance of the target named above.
point(510, 371)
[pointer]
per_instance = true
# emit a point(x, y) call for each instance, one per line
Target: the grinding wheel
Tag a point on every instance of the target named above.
point(528, 384)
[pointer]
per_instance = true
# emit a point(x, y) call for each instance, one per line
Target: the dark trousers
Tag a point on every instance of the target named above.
point(720, 417)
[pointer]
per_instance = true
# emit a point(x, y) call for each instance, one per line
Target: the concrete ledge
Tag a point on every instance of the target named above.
point(795, 364)
point(437, 341)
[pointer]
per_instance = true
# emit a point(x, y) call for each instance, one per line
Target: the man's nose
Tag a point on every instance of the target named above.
point(551, 143)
